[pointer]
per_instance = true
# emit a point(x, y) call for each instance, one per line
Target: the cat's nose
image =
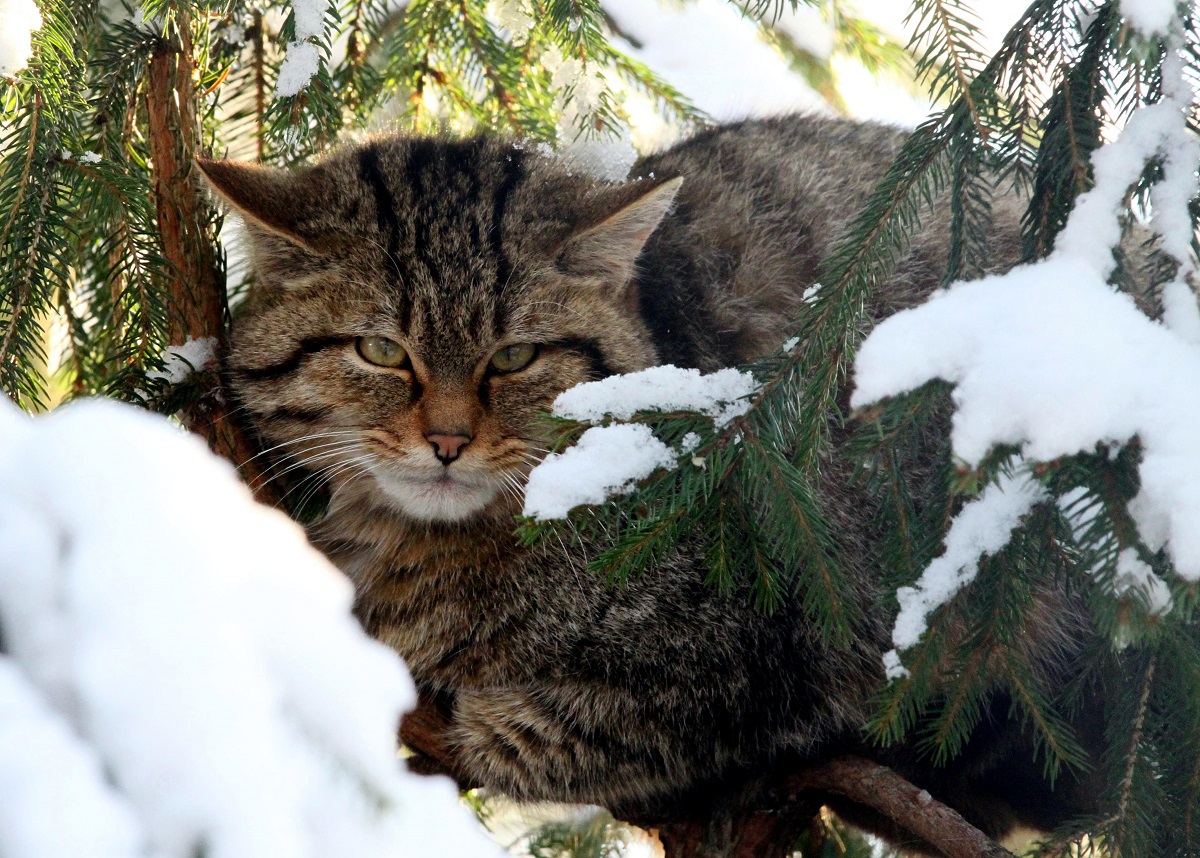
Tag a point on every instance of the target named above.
point(447, 447)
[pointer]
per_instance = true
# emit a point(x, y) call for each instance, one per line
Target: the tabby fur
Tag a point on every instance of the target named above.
point(649, 698)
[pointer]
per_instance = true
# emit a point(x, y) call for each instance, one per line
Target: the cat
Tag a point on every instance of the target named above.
point(420, 302)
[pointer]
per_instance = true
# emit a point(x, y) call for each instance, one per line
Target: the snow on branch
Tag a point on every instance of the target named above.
point(983, 526)
point(182, 674)
point(18, 20)
point(181, 361)
point(1052, 358)
point(303, 58)
point(610, 460)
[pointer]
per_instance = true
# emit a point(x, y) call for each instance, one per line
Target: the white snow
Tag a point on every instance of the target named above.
point(18, 20)
point(44, 769)
point(82, 158)
point(1135, 574)
point(1052, 358)
point(983, 526)
point(603, 158)
point(577, 89)
point(513, 16)
point(722, 395)
point(1131, 573)
point(607, 460)
point(191, 645)
point(713, 55)
point(300, 64)
point(1150, 16)
point(309, 18)
point(181, 361)
point(610, 460)
point(303, 58)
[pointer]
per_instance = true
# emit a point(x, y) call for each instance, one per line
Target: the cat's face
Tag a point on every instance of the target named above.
point(421, 304)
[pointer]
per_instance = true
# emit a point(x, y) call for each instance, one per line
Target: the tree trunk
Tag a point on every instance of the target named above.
point(186, 222)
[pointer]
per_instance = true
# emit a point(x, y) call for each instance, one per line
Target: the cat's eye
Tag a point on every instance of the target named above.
point(514, 357)
point(381, 351)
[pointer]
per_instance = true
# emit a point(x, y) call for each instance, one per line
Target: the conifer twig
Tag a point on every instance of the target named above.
point(24, 183)
point(1131, 758)
point(26, 287)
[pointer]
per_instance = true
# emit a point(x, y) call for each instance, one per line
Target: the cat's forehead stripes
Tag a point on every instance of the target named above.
point(439, 210)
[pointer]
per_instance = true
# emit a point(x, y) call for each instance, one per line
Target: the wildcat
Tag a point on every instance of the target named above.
point(421, 302)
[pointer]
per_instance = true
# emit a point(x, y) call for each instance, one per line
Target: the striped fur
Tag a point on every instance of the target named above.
point(646, 698)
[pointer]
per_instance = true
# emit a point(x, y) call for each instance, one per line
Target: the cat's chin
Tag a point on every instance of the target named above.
point(441, 499)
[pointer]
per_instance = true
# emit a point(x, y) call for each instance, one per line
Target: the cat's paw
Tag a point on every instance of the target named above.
point(512, 742)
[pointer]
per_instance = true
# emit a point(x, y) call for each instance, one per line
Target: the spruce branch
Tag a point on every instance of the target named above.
point(24, 291)
point(23, 182)
point(42, 106)
point(945, 28)
point(1117, 824)
point(1071, 131)
point(484, 53)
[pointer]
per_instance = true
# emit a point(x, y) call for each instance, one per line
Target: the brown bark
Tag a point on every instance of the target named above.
point(912, 808)
point(759, 832)
point(196, 287)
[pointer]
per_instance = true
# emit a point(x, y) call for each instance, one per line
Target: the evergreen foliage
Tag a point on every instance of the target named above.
point(1000, 129)
point(95, 159)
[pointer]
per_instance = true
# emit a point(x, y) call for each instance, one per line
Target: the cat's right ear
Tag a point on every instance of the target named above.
point(635, 210)
point(279, 202)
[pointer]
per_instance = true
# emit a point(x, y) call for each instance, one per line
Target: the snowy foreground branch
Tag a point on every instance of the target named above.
point(181, 674)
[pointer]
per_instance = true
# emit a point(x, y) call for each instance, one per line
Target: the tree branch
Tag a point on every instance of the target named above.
point(756, 831)
point(913, 809)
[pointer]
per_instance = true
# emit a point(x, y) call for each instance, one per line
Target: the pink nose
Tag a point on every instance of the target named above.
point(447, 447)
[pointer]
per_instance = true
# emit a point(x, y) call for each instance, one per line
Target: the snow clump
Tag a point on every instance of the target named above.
point(181, 671)
point(303, 58)
point(18, 20)
point(983, 526)
point(721, 395)
point(181, 361)
point(606, 461)
point(610, 460)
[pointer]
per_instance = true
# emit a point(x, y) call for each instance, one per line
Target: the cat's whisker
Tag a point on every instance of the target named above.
point(342, 438)
point(310, 456)
point(339, 438)
point(325, 475)
point(300, 458)
point(292, 441)
point(311, 462)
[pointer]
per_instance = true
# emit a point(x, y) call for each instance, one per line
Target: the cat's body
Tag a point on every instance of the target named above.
point(644, 697)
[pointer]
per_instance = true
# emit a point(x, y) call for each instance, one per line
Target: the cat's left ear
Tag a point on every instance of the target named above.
point(612, 246)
